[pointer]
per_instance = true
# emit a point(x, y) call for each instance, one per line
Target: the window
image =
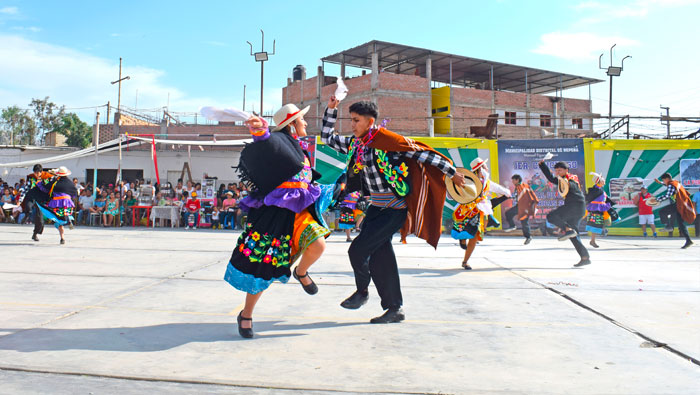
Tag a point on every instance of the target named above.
point(577, 123)
point(546, 121)
point(510, 118)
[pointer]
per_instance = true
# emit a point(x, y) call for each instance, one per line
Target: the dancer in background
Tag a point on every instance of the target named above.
point(61, 191)
point(524, 206)
point(30, 200)
point(347, 213)
point(568, 216)
point(598, 205)
point(680, 208)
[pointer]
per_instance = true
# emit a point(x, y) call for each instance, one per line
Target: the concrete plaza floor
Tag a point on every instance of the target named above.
point(146, 311)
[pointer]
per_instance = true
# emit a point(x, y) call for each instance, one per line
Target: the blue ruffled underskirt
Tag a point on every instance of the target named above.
point(461, 235)
point(247, 282)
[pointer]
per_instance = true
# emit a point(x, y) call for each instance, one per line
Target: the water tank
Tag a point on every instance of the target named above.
point(299, 73)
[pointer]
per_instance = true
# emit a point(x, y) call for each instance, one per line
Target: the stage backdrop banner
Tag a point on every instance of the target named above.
point(624, 190)
point(690, 173)
point(522, 156)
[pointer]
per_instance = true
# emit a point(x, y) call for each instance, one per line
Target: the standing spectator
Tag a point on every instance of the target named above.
point(85, 205)
point(192, 207)
point(78, 186)
point(129, 202)
point(220, 194)
point(646, 212)
point(111, 211)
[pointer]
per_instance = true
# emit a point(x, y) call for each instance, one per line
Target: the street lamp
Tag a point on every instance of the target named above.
point(262, 57)
point(612, 71)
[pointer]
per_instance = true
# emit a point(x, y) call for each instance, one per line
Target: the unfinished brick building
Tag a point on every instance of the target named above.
point(427, 92)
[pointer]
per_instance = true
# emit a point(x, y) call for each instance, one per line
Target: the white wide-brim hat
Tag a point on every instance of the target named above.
point(469, 192)
point(61, 171)
point(285, 115)
point(652, 201)
point(477, 163)
point(597, 177)
point(563, 186)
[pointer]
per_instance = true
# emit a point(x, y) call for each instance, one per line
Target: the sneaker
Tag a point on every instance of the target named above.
point(508, 230)
point(187, 228)
point(194, 227)
point(527, 241)
point(668, 228)
point(568, 235)
point(655, 236)
point(645, 235)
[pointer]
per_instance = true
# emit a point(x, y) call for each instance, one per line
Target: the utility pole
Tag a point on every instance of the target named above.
point(668, 121)
point(119, 81)
point(612, 71)
point(262, 57)
point(243, 97)
point(96, 138)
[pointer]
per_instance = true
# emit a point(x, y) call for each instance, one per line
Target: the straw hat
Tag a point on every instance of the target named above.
point(652, 202)
point(61, 171)
point(469, 192)
point(285, 115)
point(477, 163)
point(228, 193)
point(563, 186)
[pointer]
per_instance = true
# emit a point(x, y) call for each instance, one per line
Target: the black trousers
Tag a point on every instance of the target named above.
point(563, 217)
point(38, 220)
point(372, 256)
point(669, 215)
point(512, 212)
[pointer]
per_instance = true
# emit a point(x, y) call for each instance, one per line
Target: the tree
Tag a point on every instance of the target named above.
point(77, 132)
point(17, 126)
point(47, 115)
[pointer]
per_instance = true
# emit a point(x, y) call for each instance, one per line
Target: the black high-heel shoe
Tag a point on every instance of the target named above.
point(310, 289)
point(245, 332)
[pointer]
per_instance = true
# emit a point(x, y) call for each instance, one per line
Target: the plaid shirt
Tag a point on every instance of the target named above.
point(670, 194)
point(373, 179)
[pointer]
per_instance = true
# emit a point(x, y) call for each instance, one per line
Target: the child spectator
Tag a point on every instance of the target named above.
point(192, 207)
point(215, 223)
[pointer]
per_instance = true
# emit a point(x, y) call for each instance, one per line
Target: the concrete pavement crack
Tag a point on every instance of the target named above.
point(613, 321)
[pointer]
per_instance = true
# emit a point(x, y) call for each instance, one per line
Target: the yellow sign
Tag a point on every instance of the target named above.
point(441, 109)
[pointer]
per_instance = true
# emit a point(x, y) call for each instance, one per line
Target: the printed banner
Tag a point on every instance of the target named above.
point(690, 173)
point(623, 191)
point(522, 156)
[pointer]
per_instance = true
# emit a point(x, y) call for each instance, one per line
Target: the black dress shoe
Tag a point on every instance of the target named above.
point(466, 266)
point(583, 262)
point(527, 241)
point(310, 289)
point(391, 315)
point(245, 332)
point(356, 300)
point(687, 244)
point(35, 237)
point(63, 241)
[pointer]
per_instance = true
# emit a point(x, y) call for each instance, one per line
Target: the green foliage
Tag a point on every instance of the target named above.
point(77, 132)
point(17, 126)
point(47, 115)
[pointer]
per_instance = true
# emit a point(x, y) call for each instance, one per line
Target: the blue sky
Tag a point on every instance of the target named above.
point(198, 54)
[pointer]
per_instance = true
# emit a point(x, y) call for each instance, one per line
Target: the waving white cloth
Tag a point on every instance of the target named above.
point(225, 114)
point(341, 91)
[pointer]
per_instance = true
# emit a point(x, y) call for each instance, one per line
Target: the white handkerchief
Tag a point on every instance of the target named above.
point(548, 156)
point(225, 114)
point(341, 91)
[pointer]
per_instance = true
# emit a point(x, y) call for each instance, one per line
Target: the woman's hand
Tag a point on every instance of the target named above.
point(255, 122)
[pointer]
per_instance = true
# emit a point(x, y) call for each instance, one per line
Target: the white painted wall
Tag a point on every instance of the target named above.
point(214, 163)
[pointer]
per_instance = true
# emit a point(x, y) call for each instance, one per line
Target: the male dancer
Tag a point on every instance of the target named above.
point(524, 206)
point(34, 195)
point(568, 216)
point(680, 207)
point(406, 180)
